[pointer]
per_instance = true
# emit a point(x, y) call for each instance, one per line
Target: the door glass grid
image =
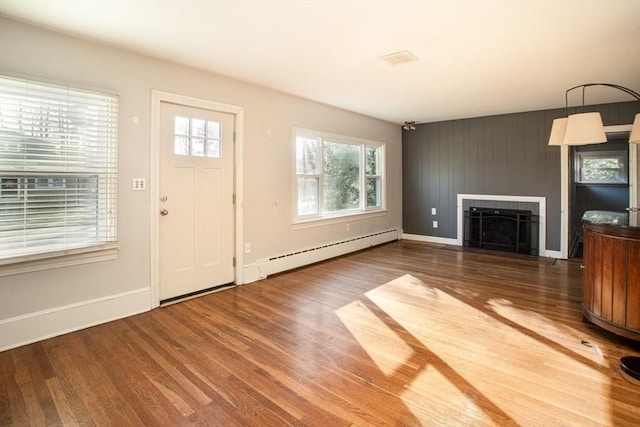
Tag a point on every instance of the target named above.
point(196, 137)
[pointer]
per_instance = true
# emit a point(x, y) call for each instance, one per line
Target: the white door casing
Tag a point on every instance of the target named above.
point(235, 120)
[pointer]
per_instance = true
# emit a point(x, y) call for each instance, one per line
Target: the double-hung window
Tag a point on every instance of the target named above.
point(337, 176)
point(58, 169)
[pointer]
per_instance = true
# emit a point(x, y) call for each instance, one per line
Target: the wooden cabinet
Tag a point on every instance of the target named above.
point(612, 278)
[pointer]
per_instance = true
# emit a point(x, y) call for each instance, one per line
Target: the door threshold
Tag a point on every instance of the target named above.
point(196, 294)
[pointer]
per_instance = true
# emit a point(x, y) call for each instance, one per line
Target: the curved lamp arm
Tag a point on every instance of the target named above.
point(633, 93)
point(587, 128)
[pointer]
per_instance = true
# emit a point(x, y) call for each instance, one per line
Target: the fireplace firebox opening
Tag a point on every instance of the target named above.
point(506, 230)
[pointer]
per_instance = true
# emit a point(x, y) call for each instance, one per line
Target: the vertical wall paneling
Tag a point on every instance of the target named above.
point(458, 167)
point(434, 177)
point(496, 155)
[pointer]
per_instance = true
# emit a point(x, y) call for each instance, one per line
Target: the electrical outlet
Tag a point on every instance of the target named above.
point(247, 248)
point(433, 211)
point(139, 184)
point(348, 227)
point(435, 224)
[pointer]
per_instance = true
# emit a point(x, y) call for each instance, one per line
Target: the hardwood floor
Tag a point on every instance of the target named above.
point(403, 334)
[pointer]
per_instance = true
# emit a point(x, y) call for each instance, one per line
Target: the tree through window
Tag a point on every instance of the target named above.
point(336, 175)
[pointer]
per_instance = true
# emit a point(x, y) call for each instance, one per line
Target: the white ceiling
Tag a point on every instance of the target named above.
point(475, 57)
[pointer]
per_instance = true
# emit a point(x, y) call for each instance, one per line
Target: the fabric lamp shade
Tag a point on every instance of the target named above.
point(634, 137)
point(558, 129)
point(584, 128)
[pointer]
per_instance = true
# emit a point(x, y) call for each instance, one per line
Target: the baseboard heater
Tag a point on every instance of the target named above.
point(300, 258)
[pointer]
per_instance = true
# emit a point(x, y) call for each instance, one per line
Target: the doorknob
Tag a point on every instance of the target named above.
point(164, 212)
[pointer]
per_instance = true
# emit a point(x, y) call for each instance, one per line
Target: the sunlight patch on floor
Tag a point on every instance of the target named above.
point(562, 335)
point(384, 346)
point(476, 361)
point(433, 396)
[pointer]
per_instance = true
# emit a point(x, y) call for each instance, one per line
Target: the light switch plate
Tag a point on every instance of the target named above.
point(139, 184)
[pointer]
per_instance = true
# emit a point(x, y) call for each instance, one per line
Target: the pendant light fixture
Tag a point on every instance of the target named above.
point(587, 127)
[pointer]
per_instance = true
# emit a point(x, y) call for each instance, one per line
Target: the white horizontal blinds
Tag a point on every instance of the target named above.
point(58, 168)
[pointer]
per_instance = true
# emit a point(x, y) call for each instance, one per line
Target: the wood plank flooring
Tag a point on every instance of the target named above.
point(403, 334)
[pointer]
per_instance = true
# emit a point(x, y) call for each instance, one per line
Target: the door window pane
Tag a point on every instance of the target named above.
point(213, 147)
point(181, 145)
point(214, 134)
point(182, 126)
point(198, 127)
point(197, 137)
point(213, 129)
point(197, 147)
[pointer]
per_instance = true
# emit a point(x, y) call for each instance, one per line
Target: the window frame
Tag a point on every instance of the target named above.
point(620, 154)
point(105, 246)
point(339, 216)
point(377, 177)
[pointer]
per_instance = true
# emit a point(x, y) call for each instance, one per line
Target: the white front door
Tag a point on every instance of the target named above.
point(196, 200)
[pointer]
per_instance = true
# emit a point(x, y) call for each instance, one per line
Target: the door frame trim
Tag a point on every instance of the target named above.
point(157, 98)
point(565, 182)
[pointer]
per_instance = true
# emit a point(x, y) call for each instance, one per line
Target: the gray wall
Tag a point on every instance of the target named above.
point(505, 155)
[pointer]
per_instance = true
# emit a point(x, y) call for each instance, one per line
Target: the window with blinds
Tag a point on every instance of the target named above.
point(58, 168)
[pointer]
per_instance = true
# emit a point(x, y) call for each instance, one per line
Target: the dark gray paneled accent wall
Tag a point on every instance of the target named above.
point(499, 155)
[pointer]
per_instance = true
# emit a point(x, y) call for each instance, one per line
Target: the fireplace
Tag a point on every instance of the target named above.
point(506, 230)
point(491, 202)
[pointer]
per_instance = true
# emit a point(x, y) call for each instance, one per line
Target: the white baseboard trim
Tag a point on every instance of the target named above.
point(430, 239)
point(32, 327)
point(454, 242)
point(254, 272)
point(249, 273)
point(554, 254)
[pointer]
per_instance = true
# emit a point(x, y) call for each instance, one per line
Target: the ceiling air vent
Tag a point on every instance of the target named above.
point(399, 58)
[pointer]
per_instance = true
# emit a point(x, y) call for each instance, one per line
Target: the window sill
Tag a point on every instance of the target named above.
point(317, 222)
point(51, 260)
